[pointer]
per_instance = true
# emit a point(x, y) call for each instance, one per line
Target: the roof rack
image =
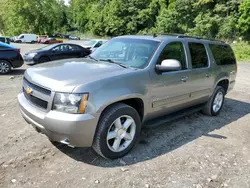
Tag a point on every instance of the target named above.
point(187, 36)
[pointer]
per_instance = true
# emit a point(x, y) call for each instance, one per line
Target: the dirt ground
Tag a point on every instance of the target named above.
point(195, 151)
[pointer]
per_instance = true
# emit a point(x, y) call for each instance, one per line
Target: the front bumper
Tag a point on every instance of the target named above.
point(28, 60)
point(76, 130)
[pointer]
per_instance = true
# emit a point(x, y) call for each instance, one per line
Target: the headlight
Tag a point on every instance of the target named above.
point(70, 103)
point(32, 54)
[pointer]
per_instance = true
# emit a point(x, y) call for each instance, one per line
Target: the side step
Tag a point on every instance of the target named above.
point(173, 116)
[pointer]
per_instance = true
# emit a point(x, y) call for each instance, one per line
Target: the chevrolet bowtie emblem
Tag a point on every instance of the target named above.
point(29, 91)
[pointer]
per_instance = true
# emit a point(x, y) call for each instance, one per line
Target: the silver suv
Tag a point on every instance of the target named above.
point(104, 100)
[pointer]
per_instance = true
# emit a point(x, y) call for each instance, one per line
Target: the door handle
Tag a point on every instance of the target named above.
point(207, 75)
point(184, 78)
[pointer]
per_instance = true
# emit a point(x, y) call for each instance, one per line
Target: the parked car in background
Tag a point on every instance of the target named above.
point(104, 100)
point(5, 39)
point(26, 38)
point(10, 57)
point(94, 44)
point(52, 40)
point(42, 38)
point(73, 37)
point(13, 39)
point(55, 52)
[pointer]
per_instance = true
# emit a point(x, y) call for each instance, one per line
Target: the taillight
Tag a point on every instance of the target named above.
point(17, 50)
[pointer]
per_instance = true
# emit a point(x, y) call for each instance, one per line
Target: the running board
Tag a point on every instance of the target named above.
point(173, 116)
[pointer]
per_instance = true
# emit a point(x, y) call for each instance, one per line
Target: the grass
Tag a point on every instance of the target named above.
point(242, 51)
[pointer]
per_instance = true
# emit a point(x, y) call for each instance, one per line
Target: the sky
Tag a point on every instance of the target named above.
point(66, 2)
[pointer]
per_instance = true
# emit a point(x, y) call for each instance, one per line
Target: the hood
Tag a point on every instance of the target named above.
point(65, 75)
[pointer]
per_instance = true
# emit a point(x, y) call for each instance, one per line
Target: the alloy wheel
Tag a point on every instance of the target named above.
point(121, 133)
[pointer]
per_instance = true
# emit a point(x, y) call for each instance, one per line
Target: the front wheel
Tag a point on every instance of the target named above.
point(215, 103)
point(43, 59)
point(5, 67)
point(117, 131)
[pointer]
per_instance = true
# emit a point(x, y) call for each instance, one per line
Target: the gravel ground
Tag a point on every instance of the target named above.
point(194, 151)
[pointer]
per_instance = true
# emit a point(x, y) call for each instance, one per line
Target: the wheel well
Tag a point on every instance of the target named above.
point(136, 103)
point(224, 84)
point(44, 56)
point(8, 62)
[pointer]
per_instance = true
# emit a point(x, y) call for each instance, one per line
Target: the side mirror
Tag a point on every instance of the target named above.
point(168, 65)
point(53, 50)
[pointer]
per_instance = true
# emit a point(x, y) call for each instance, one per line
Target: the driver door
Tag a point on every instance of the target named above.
point(171, 90)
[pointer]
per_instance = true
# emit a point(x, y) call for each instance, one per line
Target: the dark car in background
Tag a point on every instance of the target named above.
point(5, 39)
point(71, 37)
point(10, 57)
point(55, 52)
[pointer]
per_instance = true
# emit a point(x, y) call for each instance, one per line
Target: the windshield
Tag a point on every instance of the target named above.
point(134, 53)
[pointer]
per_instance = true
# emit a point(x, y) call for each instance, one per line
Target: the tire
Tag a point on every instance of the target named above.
point(105, 146)
point(43, 59)
point(209, 108)
point(5, 67)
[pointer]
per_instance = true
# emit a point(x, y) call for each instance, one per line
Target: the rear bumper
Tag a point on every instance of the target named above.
point(76, 130)
point(17, 61)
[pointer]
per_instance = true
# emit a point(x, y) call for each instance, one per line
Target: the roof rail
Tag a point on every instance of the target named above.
point(187, 36)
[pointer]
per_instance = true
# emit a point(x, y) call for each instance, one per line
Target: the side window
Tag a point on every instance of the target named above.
point(223, 54)
point(22, 37)
point(198, 55)
point(174, 50)
point(98, 44)
point(73, 48)
point(61, 48)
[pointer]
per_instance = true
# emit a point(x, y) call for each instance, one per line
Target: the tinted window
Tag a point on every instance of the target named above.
point(98, 44)
point(73, 48)
point(223, 54)
point(176, 51)
point(62, 48)
point(198, 55)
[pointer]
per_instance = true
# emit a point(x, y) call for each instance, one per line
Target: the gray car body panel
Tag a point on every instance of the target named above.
point(108, 83)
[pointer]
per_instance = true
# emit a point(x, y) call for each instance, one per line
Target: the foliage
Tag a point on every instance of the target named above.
point(242, 51)
point(224, 19)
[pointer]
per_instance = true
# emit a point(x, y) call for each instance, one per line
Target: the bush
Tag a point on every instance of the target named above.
point(242, 51)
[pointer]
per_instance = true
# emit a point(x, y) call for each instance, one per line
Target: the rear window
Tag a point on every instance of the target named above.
point(223, 54)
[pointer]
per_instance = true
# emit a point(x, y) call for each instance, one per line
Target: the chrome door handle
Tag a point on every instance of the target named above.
point(207, 75)
point(184, 78)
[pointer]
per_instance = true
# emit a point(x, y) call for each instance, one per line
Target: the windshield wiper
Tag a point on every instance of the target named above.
point(90, 57)
point(111, 61)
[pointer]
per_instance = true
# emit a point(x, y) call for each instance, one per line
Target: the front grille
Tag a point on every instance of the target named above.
point(36, 101)
point(36, 87)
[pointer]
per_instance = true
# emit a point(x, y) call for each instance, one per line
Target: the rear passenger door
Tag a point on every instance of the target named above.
point(201, 73)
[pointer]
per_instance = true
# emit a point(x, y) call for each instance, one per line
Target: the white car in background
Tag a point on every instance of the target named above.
point(93, 44)
point(26, 38)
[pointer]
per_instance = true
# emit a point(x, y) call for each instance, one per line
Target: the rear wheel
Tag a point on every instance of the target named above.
point(43, 59)
point(117, 131)
point(215, 103)
point(5, 67)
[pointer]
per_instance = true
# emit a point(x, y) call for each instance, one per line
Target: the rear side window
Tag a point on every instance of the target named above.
point(223, 54)
point(198, 55)
point(73, 48)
